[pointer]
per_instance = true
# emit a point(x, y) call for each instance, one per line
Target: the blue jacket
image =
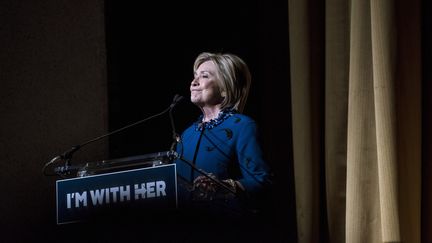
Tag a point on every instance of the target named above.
point(228, 148)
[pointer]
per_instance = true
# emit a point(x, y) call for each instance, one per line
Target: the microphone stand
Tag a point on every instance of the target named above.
point(175, 136)
point(67, 156)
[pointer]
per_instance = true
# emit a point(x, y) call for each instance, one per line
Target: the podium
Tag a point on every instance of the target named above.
point(145, 182)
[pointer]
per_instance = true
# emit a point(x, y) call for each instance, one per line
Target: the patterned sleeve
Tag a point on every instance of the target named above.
point(253, 167)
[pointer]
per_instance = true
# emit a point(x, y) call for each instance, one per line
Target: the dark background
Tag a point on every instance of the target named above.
point(150, 54)
point(73, 70)
point(149, 63)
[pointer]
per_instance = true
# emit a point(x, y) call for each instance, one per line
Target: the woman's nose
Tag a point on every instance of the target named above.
point(194, 82)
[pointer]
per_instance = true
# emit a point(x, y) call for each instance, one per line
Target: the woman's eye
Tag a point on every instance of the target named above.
point(202, 75)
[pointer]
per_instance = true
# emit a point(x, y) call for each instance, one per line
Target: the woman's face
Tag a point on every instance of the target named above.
point(204, 87)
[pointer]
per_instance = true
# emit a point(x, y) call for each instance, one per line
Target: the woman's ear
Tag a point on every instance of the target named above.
point(223, 94)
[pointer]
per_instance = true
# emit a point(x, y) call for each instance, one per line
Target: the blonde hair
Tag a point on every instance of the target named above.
point(233, 78)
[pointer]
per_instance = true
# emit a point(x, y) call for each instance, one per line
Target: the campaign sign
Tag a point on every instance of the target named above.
point(92, 196)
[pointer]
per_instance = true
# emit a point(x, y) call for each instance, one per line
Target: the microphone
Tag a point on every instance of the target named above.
point(177, 98)
point(67, 155)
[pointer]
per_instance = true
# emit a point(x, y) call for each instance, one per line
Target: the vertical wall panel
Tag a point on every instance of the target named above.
point(52, 96)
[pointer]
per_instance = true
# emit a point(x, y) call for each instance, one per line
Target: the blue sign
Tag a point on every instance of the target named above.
point(81, 198)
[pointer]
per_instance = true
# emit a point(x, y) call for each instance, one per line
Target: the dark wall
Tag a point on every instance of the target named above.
point(53, 95)
point(426, 121)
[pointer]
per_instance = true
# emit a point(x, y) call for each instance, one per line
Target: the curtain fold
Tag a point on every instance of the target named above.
point(372, 120)
point(306, 171)
point(362, 204)
point(336, 117)
point(383, 63)
point(408, 118)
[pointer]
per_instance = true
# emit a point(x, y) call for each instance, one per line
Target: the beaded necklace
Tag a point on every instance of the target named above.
point(222, 116)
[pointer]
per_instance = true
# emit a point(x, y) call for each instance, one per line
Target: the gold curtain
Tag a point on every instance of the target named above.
point(368, 104)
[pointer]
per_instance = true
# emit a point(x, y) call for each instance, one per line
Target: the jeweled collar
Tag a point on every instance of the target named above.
point(222, 116)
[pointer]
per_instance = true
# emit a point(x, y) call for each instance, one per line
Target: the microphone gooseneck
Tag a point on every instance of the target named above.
point(67, 156)
point(175, 136)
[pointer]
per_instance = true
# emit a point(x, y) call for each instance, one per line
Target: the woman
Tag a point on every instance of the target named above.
point(222, 160)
